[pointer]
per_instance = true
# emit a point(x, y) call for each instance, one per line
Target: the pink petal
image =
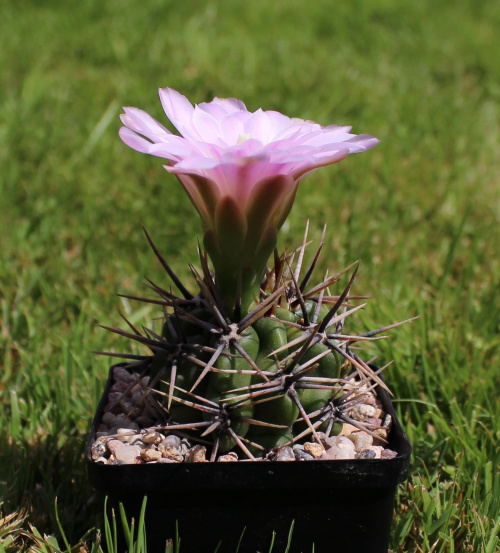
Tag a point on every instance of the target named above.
point(179, 110)
point(306, 168)
point(230, 105)
point(141, 122)
point(206, 125)
point(219, 107)
point(136, 142)
point(194, 164)
point(231, 128)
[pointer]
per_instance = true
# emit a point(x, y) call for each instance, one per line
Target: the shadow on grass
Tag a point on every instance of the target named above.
point(40, 473)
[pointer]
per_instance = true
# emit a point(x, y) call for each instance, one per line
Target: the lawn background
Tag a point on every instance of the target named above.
point(421, 211)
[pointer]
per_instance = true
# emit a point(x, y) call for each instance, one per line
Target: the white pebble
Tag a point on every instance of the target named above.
point(361, 412)
point(128, 454)
point(361, 440)
point(339, 452)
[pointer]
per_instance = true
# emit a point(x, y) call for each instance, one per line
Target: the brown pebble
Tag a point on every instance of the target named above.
point(149, 455)
point(169, 452)
point(152, 438)
point(382, 437)
point(316, 450)
point(230, 457)
point(373, 421)
point(388, 454)
point(164, 460)
point(196, 454)
point(347, 429)
point(370, 400)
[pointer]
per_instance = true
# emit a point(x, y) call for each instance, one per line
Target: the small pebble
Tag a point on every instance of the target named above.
point(230, 457)
point(124, 434)
point(347, 429)
point(304, 456)
point(376, 449)
point(373, 421)
point(370, 400)
point(366, 454)
point(196, 454)
point(115, 397)
point(152, 438)
point(138, 397)
point(170, 452)
point(119, 386)
point(361, 412)
point(101, 460)
point(387, 421)
point(184, 446)
point(149, 455)
point(114, 445)
point(361, 440)
point(98, 449)
point(108, 419)
point(120, 373)
point(339, 452)
point(165, 460)
point(340, 441)
point(128, 454)
point(298, 451)
point(285, 454)
point(388, 454)
point(316, 450)
point(172, 440)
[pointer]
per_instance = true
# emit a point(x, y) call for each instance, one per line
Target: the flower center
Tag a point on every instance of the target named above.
point(243, 137)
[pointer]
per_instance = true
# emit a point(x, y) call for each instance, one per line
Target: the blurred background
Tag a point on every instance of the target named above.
point(421, 211)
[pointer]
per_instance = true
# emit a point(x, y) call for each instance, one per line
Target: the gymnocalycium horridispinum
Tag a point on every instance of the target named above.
point(257, 357)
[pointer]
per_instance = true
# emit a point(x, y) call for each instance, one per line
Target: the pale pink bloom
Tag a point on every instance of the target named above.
point(240, 168)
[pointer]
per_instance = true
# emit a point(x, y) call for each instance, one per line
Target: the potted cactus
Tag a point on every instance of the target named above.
point(253, 372)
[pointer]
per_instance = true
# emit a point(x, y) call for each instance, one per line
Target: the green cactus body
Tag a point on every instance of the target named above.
point(259, 378)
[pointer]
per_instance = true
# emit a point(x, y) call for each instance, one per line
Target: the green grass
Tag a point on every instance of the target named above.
point(422, 212)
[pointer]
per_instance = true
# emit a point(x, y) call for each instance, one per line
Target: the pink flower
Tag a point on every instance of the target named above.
point(240, 169)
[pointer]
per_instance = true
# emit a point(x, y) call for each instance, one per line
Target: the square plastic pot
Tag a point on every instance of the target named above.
point(343, 506)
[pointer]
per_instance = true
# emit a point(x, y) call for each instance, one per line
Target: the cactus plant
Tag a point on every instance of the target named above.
point(257, 357)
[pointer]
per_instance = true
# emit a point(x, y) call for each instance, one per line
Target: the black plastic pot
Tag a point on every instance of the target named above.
point(339, 506)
